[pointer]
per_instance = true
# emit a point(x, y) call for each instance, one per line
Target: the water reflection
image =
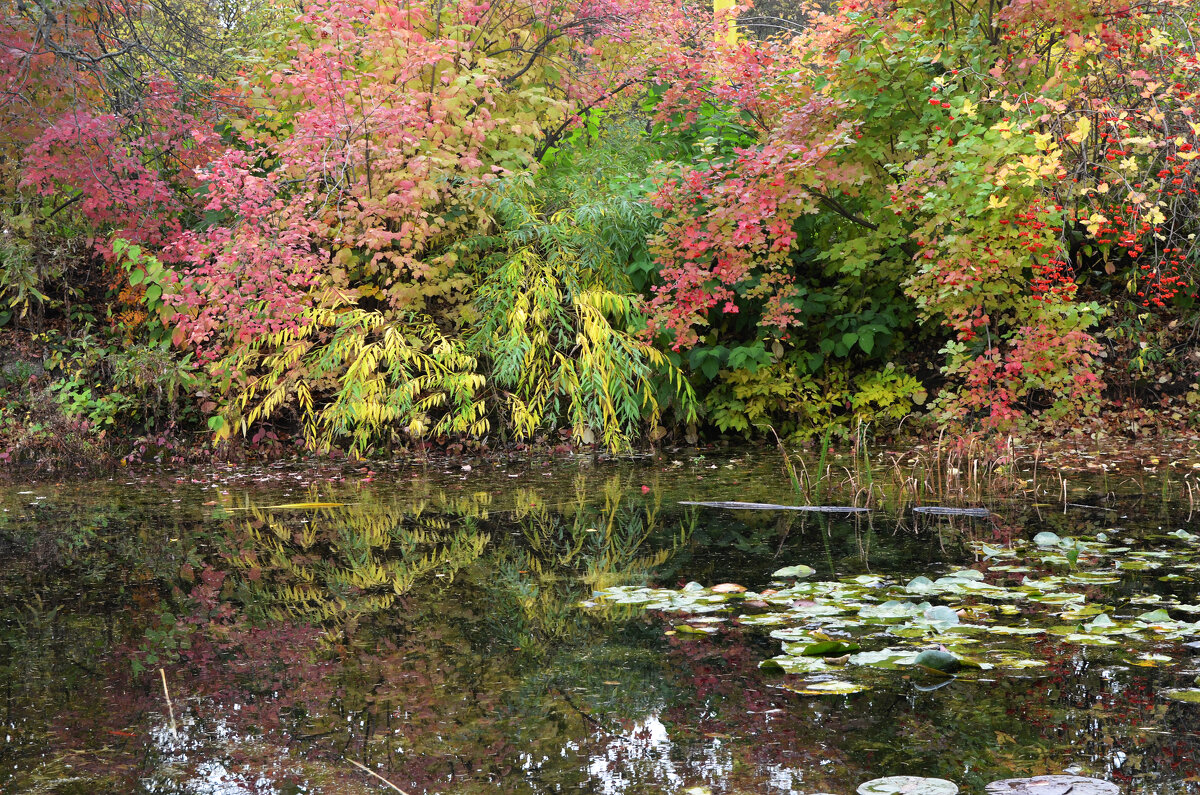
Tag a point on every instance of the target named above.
point(432, 633)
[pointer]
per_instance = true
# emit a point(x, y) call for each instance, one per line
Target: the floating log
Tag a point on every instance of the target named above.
point(942, 510)
point(766, 506)
point(1052, 785)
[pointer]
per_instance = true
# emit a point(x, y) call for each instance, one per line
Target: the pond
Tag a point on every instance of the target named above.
point(522, 627)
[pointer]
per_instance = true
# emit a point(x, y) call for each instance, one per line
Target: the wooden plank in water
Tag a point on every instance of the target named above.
point(942, 510)
point(766, 506)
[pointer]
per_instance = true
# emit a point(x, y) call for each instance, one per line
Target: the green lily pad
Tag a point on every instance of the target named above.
point(1052, 785)
point(941, 615)
point(817, 609)
point(763, 620)
point(891, 609)
point(939, 662)
point(829, 688)
point(1101, 623)
point(688, 629)
point(1002, 630)
point(889, 658)
point(1089, 640)
point(797, 571)
point(825, 648)
point(791, 664)
point(1138, 565)
point(1189, 695)
point(1008, 659)
point(908, 785)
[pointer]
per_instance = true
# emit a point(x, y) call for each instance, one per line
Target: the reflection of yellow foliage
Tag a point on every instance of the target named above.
point(342, 563)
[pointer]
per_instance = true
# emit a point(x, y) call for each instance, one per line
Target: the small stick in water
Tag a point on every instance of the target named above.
point(366, 769)
point(170, 709)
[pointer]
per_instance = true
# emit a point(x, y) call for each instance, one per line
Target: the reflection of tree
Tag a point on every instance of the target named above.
point(348, 561)
point(487, 678)
point(78, 584)
point(558, 557)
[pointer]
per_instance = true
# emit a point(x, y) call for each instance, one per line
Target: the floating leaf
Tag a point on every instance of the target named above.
point(891, 609)
point(792, 664)
point(941, 615)
point(829, 688)
point(908, 785)
point(826, 648)
point(1052, 785)
point(885, 658)
point(919, 585)
point(939, 662)
point(688, 629)
point(797, 571)
point(1189, 695)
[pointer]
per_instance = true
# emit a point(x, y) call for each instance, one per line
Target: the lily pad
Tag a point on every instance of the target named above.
point(919, 585)
point(1189, 695)
point(1101, 623)
point(791, 664)
point(939, 662)
point(891, 609)
point(1052, 785)
point(1046, 539)
point(825, 648)
point(795, 571)
point(941, 615)
point(885, 658)
point(688, 629)
point(908, 785)
point(829, 688)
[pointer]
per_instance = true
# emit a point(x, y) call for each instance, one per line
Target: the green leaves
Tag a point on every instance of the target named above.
point(797, 571)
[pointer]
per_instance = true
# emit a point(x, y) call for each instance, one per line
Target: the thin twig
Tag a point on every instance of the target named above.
point(170, 709)
point(366, 769)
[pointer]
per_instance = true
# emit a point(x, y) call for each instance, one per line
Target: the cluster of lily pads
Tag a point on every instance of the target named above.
point(963, 622)
point(919, 785)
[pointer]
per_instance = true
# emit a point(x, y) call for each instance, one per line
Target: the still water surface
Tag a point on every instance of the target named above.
point(426, 623)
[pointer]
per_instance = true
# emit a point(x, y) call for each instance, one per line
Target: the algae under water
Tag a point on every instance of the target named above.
point(554, 629)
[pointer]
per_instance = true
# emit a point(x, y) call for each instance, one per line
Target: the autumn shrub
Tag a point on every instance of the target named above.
point(945, 174)
point(515, 217)
point(548, 339)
